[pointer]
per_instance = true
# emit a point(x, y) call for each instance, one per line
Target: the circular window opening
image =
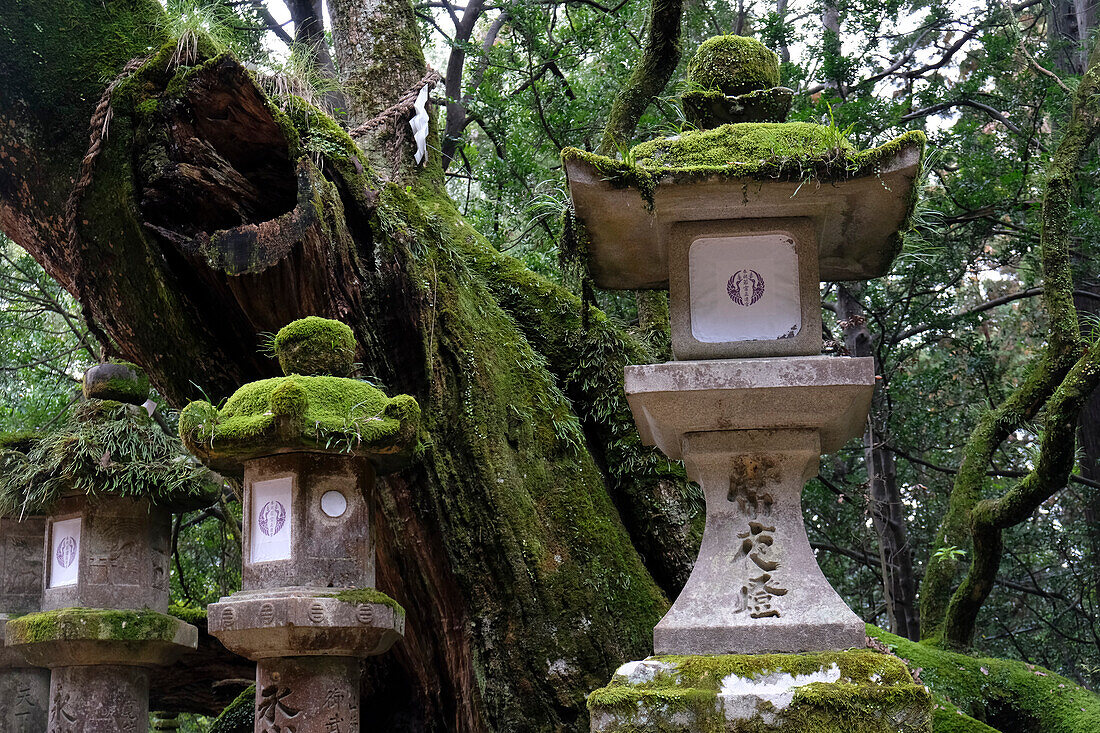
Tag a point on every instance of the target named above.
point(334, 504)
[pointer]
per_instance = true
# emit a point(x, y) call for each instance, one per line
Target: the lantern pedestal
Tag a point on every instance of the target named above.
point(756, 586)
point(776, 693)
point(308, 612)
point(24, 690)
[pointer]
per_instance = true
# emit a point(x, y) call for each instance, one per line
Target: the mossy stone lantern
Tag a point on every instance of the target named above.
point(24, 690)
point(107, 482)
point(741, 220)
point(308, 444)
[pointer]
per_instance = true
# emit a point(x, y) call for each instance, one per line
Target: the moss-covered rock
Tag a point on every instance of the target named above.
point(239, 716)
point(984, 695)
point(91, 624)
point(733, 65)
point(313, 345)
point(299, 412)
point(858, 691)
point(120, 381)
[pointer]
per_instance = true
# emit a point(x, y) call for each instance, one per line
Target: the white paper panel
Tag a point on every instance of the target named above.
point(64, 552)
point(271, 520)
point(744, 288)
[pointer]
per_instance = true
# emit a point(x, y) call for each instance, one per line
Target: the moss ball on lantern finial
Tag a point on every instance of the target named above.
point(316, 346)
point(734, 65)
point(120, 381)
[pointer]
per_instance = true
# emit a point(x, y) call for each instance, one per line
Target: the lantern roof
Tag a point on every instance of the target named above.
point(858, 201)
point(105, 447)
point(314, 407)
point(741, 161)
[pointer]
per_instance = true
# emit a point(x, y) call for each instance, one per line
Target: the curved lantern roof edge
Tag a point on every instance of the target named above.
point(856, 219)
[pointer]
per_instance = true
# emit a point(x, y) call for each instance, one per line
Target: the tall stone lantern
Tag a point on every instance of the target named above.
point(107, 482)
point(741, 220)
point(24, 690)
point(309, 445)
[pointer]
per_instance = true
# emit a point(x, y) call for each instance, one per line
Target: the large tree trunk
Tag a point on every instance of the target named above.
point(526, 540)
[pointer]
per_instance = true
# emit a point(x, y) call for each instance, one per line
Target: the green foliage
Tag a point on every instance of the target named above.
point(103, 448)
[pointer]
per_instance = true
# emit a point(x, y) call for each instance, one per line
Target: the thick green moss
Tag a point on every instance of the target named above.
point(874, 694)
point(733, 65)
point(368, 595)
point(762, 150)
point(981, 695)
point(314, 346)
point(92, 623)
point(239, 716)
point(301, 412)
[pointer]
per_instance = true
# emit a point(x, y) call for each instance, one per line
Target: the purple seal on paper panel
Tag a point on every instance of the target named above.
point(66, 552)
point(745, 287)
point(272, 518)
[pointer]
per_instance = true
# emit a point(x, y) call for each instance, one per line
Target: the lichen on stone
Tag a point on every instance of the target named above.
point(121, 381)
point(368, 595)
point(91, 624)
point(858, 691)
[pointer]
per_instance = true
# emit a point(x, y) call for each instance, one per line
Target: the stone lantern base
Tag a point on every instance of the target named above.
point(858, 691)
point(98, 660)
point(24, 691)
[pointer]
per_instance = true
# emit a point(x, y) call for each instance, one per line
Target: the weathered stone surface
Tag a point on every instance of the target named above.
point(304, 622)
point(24, 699)
point(828, 393)
point(83, 636)
point(805, 340)
point(855, 220)
point(120, 552)
point(840, 692)
point(122, 382)
point(21, 564)
point(99, 698)
point(310, 547)
point(756, 586)
point(308, 695)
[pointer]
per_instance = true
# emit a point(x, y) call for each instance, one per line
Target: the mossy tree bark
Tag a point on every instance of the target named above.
point(535, 540)
point(1058, 383)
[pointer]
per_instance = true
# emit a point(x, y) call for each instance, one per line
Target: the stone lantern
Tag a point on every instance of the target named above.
point(24, 690)
point(107, 482)
point(741, 222)
point(309, 445)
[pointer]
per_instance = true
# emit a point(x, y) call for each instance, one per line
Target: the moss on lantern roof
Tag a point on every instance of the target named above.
point(103, 448)
point(298, 412)
point(759, 150)
point(315, 345)
point(733, 65)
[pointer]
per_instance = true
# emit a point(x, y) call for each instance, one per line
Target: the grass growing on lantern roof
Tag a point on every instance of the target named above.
point(103, 448)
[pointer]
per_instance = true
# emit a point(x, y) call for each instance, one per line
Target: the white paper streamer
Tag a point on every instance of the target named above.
point(419, 124)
